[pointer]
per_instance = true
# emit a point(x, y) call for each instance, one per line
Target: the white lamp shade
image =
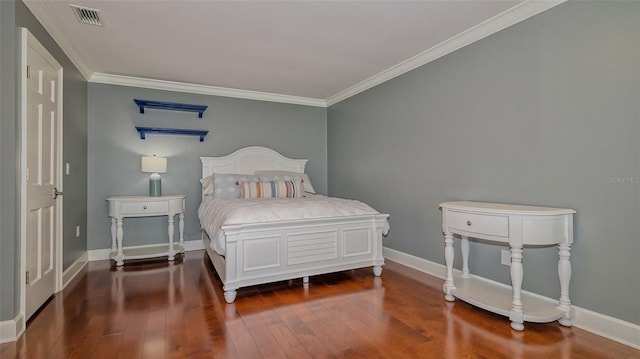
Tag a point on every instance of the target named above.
point(153, 164)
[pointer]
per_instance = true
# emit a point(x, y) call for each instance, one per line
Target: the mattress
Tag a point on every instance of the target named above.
point(215, 212)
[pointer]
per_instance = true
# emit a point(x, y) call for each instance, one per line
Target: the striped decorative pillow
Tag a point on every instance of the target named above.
point(271, 189)
point(287, 176)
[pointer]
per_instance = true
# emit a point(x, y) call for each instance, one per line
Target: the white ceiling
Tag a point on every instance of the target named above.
point(308, 52)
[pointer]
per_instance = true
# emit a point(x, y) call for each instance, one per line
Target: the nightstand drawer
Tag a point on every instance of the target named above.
point(491, 225)
point(145, 207)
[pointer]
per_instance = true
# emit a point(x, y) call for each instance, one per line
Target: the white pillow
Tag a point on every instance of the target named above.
point(207, 185)
point(287, 176)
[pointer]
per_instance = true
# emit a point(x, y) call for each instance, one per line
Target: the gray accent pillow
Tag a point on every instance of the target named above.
point(225, 185)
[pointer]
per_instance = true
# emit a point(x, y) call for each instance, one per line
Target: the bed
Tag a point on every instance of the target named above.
point(269, 251)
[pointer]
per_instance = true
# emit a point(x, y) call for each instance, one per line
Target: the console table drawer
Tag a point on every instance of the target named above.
point(145, 207)
point(491, 225)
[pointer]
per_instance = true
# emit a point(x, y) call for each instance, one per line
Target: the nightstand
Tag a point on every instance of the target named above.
point(121, 207)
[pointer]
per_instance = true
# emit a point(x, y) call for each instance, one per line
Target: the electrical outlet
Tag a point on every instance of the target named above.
point(505, 257)
point(77, 231)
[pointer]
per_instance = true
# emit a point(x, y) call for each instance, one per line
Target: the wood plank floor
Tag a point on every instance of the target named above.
point(165, 310)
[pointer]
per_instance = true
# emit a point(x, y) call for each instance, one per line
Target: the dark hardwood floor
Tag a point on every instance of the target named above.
point(177, 310)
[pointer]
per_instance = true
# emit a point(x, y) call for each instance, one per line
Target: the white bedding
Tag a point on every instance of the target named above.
point(214, 213)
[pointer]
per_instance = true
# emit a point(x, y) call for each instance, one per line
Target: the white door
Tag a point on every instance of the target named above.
point(43, 180)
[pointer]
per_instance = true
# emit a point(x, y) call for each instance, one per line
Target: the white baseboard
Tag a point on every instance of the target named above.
point(98, 254)
point(10, 330)
point(193, 245)
point(609, 327)
point(102, 254)
point(74, 269)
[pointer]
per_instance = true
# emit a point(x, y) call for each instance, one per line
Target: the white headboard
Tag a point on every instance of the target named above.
point(250, 159)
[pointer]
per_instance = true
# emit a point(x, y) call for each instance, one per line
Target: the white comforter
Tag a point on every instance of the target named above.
point(214, 213)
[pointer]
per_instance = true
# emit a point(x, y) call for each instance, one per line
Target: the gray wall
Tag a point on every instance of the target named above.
point(544, 113)
point(15, 14)
point(115, 150)
point(8, 230)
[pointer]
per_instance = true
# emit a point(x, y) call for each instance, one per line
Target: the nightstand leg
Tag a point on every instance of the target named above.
point(181, 228)
point(119, 235)
point(172, 252)
point(114, 248)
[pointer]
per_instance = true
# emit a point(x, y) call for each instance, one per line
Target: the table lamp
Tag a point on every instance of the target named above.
point(154, 165)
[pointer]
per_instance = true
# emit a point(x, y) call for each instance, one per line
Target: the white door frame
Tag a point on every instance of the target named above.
point(26, 39)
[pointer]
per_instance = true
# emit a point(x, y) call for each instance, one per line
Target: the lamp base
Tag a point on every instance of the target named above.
point(155, 185)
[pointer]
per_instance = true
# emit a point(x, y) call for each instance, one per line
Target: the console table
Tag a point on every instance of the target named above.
point(121, 207)
point(517, 226)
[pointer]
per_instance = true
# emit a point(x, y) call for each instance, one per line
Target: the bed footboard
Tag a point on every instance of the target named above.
point(269, 252)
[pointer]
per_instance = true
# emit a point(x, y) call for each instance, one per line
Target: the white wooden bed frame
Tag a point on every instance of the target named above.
point(261, 253)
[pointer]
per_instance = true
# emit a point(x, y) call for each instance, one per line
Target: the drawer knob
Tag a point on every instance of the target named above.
point(145, 207)
point(468, 223)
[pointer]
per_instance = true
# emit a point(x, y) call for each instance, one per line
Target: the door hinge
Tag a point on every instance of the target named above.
point(27, 174)
point(28, 71)
point(27, 277)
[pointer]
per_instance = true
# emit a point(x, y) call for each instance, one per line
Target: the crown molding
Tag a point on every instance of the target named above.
point(488, 27)
point(43, 12)
point(46, 16)
point(203, 89)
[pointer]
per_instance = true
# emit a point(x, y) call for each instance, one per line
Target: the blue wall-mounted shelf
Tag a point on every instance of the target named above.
point(142, 104)
point(170, 131)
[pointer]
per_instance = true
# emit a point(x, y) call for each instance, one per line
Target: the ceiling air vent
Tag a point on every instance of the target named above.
point(87, 15)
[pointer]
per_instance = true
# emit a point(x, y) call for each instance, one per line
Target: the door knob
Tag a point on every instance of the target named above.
point(56, 193)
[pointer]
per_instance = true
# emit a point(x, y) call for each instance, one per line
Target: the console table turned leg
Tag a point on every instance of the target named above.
point(119, 236)
point(448, 259)
point(171, 230)
point(564, 272)
point(464, 246)
point(517, 313)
